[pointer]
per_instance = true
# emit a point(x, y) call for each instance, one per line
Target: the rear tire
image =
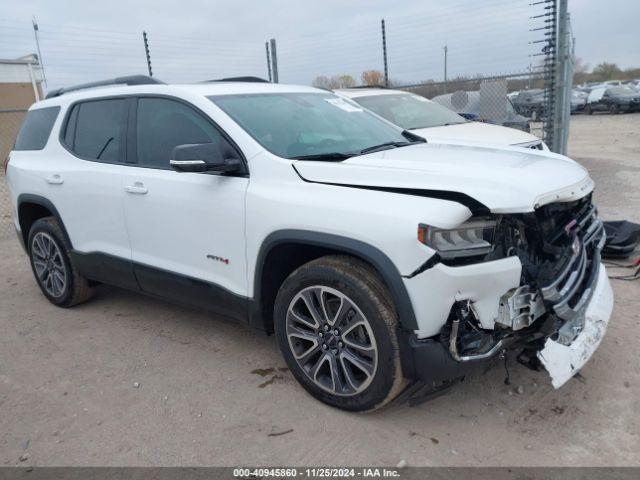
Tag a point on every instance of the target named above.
point(343, 349)
point(51, 264)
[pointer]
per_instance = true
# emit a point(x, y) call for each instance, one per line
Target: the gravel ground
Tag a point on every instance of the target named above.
point(128, 380)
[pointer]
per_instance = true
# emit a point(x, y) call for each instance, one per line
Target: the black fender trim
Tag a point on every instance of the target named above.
point(369, 253)
point(46, 203)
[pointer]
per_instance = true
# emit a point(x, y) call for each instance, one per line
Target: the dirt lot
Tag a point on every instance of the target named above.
point(215, 393)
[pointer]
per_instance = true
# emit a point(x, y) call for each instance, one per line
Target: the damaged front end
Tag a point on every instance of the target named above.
point(563, 302)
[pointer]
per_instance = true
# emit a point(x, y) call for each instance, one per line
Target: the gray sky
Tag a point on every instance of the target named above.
point(194, 40)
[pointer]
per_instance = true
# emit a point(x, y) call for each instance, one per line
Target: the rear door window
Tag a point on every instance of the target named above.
point(36, 128)
point(96, 130)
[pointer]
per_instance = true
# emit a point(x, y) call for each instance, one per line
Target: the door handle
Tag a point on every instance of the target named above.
point(137, 188)
point(54, 179)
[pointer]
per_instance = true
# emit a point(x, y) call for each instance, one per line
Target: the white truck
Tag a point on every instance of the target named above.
point(382, 263)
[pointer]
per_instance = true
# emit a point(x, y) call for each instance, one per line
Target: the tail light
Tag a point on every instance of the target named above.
point(6, 163)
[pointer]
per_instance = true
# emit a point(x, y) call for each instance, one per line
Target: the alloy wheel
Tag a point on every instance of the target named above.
point(48, 264)
point(331, 340)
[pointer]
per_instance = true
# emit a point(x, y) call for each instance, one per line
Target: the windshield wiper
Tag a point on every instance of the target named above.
point(413, 139)
point(337, 156)
point(383, 146)
point(331, 156)
point(104, 148)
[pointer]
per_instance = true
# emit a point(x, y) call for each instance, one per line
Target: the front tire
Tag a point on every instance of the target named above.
point(56, 276)
point(336, 328)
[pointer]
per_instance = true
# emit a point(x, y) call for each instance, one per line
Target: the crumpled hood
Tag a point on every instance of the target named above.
point(477, 133)
point(505, 180)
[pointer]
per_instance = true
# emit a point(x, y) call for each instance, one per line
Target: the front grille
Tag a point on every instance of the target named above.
point(570, 292)
point(559, 247)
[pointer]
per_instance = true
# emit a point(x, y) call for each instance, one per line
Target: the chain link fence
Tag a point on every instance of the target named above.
point(10, 121)
point(493, 99)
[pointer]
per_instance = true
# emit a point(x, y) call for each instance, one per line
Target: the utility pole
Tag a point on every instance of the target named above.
point(445, 67)
point(266, 46)
point(146, 51)
point(35, 33)
point(384, 55)
point(563, 82)
point(274, 60)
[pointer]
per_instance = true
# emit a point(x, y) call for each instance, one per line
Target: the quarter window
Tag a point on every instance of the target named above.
point(36, 128)
point(95, 130)
point(163, 124)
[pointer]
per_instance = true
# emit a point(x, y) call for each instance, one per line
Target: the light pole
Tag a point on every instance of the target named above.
point(445, 68)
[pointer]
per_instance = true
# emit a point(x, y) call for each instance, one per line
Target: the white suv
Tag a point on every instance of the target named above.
point(383, 264)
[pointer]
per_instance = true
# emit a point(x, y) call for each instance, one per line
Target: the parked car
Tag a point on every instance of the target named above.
point(468, 105)
point(633, 84)
point(382, 263)
point(613, 100)
point(613, 83)
point(530, 104)
point(578, 101)
point(433, 121)
point(588, 86)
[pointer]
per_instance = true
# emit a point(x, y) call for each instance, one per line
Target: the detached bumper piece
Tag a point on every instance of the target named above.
point(564, 361)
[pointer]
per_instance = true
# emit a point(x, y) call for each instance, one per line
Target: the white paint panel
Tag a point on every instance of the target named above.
point(433, 292)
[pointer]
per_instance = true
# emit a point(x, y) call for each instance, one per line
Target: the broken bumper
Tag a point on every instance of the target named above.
point(564, 361)
point(434, 292)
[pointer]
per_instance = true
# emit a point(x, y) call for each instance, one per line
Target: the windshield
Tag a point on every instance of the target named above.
point(293, 125)
point(410, 111)
point(530, 95)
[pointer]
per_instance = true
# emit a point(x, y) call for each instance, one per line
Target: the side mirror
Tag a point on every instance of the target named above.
point(202, 157)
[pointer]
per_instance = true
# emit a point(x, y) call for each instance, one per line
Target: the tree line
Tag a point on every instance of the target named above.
point(602, 72)
point(369, 78)
point(582, 73)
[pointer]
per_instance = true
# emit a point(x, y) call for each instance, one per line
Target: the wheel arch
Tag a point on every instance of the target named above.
point(285, 250)
point(31, 208)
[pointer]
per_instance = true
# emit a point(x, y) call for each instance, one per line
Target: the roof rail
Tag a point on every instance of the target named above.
point(128, 80)
point(364, 86)
point(239, 79)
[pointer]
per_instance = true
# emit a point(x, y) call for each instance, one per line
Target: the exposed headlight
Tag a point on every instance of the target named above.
point(474, 237)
